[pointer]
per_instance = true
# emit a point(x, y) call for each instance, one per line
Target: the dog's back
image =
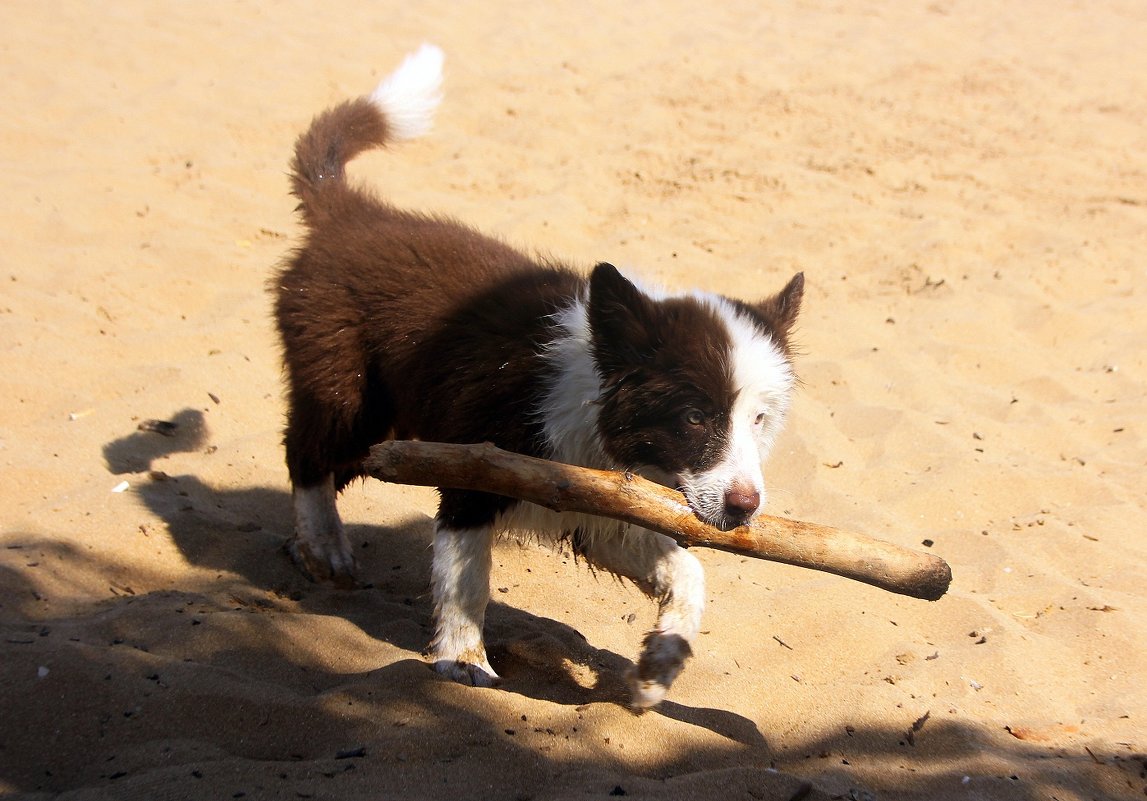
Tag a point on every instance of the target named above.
point(396, 323)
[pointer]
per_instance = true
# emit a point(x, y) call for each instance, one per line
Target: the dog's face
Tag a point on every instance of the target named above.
point(694, 389)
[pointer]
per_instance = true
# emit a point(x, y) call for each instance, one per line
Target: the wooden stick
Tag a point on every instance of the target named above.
point(565, 488)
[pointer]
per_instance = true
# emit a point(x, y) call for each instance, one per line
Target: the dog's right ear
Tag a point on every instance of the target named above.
point(620, 317)
point(781, 310)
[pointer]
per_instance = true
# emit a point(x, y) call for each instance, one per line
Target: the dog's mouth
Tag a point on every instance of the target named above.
point(710, 511)
point(723, 520)
point(725, 523)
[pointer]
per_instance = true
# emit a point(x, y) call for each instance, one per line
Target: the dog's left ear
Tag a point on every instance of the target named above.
point(620, 320)
point(781, 309)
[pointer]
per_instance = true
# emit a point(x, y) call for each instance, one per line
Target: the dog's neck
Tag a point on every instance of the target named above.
point(569, 407)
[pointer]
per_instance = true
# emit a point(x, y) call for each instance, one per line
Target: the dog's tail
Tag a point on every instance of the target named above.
point(401, 107)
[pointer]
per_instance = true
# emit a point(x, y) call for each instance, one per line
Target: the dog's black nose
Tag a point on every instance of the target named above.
point(741, 503)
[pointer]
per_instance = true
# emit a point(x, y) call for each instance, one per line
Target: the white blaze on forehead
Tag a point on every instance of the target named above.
point(763, 382)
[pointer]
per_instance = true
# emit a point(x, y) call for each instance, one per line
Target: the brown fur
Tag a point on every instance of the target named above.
point(403, 325)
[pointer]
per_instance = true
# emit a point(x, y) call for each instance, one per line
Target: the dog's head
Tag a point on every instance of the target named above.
point(694, 388)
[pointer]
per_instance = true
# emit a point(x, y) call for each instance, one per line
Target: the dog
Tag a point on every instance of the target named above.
point(401, 325)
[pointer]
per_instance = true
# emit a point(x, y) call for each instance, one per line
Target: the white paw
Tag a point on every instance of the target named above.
point(468, 673)
point(661, 661)
point(326, 561)
point(645, 694)
point(320, 547)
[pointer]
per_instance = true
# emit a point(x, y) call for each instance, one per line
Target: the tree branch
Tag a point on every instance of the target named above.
point(565, 488)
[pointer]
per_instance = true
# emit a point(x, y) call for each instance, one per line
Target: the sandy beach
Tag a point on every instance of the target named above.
point(964, 185)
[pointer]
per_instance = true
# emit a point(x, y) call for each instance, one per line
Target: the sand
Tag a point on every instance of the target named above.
point(964, 185)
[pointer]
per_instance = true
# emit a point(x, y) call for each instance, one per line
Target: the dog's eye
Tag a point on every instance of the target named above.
point(695, 417)
point(759, 419)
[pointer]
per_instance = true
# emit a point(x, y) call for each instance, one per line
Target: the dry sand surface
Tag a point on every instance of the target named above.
point(964, 185)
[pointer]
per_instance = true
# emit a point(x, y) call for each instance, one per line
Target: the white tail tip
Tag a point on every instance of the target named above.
point(409, 95)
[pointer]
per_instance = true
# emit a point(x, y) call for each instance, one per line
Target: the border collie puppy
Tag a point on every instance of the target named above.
point(396, 324)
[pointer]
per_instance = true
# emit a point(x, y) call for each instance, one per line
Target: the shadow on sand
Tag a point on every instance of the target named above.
point(227, 694)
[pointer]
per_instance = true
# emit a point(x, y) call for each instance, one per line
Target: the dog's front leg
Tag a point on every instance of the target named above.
point(460, 582)
point(674, 578)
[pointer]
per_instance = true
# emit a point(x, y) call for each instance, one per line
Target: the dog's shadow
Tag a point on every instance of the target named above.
point(242, 531)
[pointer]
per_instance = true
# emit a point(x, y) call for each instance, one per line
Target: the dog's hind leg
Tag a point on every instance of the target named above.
point(320, 546)
point(674, 578)
point(460, 582)
point(326, 443)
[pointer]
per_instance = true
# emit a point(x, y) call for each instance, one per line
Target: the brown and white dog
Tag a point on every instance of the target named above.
point(403, 325)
